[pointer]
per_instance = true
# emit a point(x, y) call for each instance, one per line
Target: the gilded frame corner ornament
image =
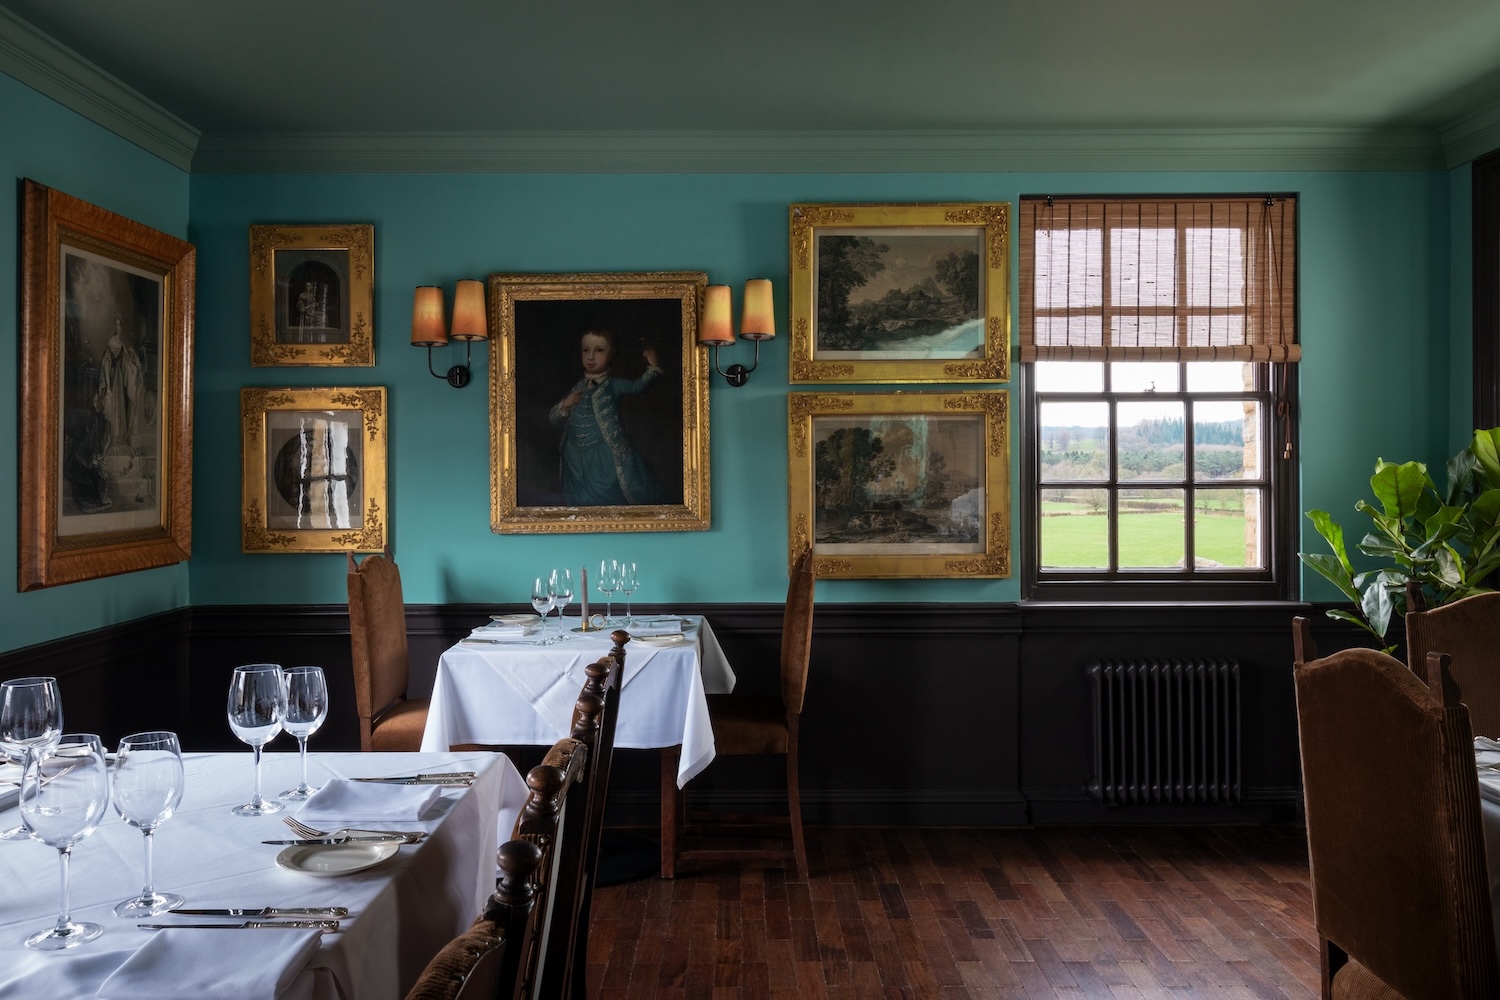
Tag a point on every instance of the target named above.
point(851, 351)
point(334, 266)
point(641, 463)
point(356, 416)
point(909, 518)
point(106, 393)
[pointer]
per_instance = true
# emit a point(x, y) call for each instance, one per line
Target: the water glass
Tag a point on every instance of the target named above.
point(306, 708)
point(148, 782)
point(609, 582)
point(64, 795)
point(30, 718)
point(257, 704)
point(542, 600)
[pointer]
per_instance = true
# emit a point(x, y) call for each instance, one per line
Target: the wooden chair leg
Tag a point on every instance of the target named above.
point(794, 809)
point(671, 807)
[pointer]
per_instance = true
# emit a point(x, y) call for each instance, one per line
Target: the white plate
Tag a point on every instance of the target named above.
point(514, 619)
point(675, 639)
point(335, 859)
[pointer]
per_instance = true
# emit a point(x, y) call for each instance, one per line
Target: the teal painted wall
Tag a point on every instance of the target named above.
point(44, 141)
point(1377, 292)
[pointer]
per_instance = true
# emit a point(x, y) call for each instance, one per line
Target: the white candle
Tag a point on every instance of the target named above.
point(583, 575)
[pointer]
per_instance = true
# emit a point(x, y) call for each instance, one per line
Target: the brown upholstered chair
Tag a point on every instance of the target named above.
point(1469, 632)
point(1400, 885)
point(483, 963)
point(746, 724)
point(388, 720)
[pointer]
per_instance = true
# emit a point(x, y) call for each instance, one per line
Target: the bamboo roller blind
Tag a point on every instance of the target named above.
point(1159, 279)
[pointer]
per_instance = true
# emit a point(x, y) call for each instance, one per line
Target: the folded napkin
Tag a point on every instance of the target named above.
point(343, 802)
point(189, 964)
point(503, 630)
point(664, 626)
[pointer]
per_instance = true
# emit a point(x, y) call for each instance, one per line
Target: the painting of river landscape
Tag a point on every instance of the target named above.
point(910, 293)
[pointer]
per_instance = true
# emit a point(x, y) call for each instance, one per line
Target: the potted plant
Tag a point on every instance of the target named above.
point(1447, 543)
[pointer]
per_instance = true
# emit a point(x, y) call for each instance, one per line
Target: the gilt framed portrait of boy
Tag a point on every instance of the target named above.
point(598, 403)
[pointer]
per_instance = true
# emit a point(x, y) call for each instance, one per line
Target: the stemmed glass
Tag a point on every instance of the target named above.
point(609, 582)
point(560, 585)
point(30, 718)
point(629, 584)
point(306, 708)
point(257, 704)
point(542, 599)
point(64, 795)
point(148, 783)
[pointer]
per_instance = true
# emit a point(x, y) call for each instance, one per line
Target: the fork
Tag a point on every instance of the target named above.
point(312, 833)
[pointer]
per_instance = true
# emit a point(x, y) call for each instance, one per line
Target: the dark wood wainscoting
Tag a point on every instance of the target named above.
point(929, 714)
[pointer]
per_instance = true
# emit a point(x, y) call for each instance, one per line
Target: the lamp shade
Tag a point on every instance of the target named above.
point(716, 326)
point(428, 328)
point(758, 321)
point(468, 311)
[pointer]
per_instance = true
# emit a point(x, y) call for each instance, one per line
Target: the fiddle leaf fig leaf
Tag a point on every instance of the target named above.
point(1399, 487)
point(1333, 571)
point(1333, 534)
point(1376, 605)
point(1446, 569)
point(1486, 449)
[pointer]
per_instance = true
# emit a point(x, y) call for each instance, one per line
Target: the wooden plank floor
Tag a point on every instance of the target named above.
point(950, 914)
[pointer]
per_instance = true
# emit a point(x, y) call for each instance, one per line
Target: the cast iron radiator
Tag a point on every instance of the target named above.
point(1166, 731)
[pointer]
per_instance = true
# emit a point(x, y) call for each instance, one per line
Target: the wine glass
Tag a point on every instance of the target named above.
point(148, 783)
point(560, 584)
point(629, 584)
point(257, 704)
point(306, 708)
point(30, 718)
point(542, 599)
point(64, 795)
point(609, 582)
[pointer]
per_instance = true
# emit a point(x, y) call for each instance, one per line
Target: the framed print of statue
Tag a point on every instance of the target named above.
point(312, 295)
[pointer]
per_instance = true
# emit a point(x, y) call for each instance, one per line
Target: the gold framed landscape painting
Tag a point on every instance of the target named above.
point(598, 403)
point(314, 465)
point(106, 432)
point(886, 485)
point(312, 295)
point(900, 293)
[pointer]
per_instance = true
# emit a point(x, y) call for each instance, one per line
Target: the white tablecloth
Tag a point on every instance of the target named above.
point(401, 912)
point(515, 693)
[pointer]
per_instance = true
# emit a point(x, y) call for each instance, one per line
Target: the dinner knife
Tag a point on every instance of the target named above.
point(317, 925)
point(423, 779)
point(269, 911)
point(314, 841)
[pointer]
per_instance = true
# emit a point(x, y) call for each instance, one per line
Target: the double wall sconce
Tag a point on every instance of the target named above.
point(757, 323)
point(429, 329)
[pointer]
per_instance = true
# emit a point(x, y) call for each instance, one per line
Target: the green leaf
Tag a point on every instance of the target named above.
point(1461, 471)
point(1486, 449)
point(1484, 511)
point(1333, 571)
point(1379, 545)
point(1333, 534)
point(1377, 608)
point(1446, 569)
point(1399, 487)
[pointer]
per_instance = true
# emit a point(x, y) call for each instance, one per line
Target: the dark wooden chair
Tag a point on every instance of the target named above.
point(1400, 885)
point(483, 963)
point(745, 725)
point(1469, 632)
point(554, 814)
point(388, 720)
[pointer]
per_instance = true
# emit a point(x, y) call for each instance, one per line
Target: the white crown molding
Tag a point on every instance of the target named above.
point(1472, 136)
point(41, 63)
point(822, 152)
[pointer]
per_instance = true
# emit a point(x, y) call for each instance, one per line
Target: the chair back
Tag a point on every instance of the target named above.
point(1393, 824)
point(552, 818)
point(482, 963)
point(377, 635)
point(796, 633)
point(1469, 632)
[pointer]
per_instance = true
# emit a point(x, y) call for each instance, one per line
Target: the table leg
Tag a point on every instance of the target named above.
point(670, 756)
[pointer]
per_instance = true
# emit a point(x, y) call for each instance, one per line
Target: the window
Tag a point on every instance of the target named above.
point(1158, 338)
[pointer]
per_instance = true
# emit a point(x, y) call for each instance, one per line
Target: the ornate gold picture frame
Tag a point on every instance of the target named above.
point(106, 429)
point(900, 293)
point(900, 485)
point(598, 403)
point(312, 295)
point(314, 470)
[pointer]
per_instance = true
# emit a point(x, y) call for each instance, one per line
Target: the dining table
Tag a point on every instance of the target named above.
point(402, 910)
point(500, 689)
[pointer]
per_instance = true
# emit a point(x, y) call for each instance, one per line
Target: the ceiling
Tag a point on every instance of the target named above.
point(479, 66)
